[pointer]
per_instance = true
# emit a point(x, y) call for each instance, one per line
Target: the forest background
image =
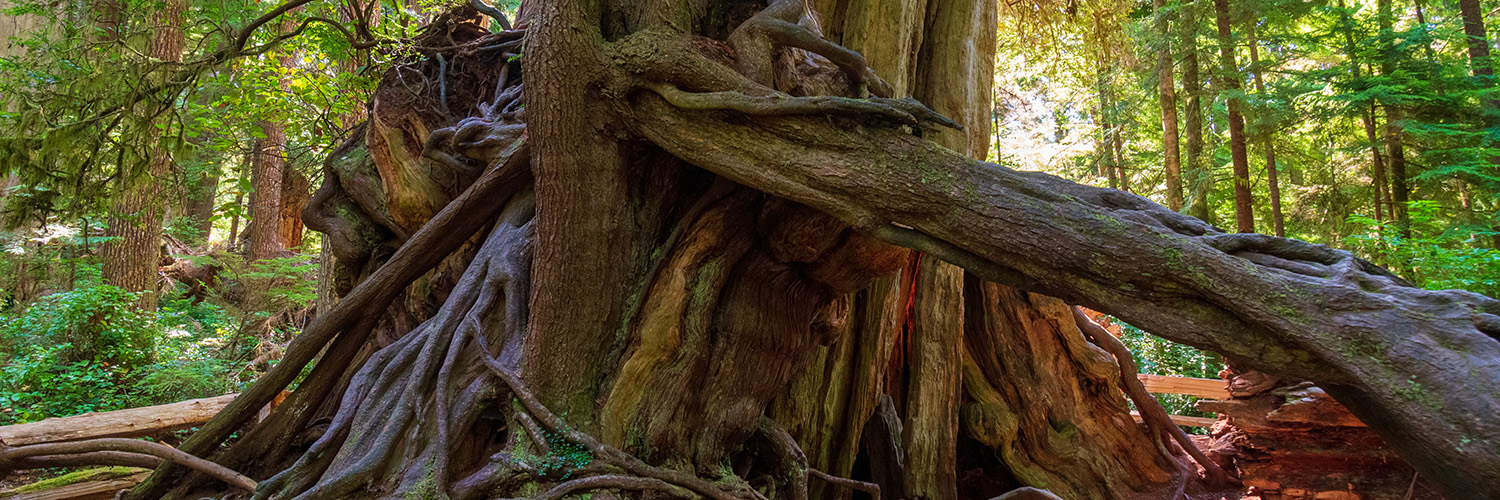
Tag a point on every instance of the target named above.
point(156, 252)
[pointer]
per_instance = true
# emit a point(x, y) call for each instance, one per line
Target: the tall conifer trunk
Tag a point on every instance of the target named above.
point(1229, 71)
point(1394, 130)
point(1167, 97)
point(1267, 133)
point(1200, 178)
point(131, 256)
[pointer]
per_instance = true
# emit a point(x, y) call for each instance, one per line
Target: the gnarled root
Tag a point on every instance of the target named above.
point(788, 23)
point(1151, 410)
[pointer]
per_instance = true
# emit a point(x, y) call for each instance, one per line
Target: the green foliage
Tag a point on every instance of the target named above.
point(86, 350)
point(1436, 253)
point(1156, 356)
point(72, 352)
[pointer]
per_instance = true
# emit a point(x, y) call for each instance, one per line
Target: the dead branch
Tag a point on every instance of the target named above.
point(8, 456)
point(600, 450)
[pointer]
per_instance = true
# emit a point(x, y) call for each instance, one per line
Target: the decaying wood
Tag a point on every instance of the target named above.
point(1291, 440)
point(449, 229)
point(1182, 420)
point(88, 490)
point(133, 422)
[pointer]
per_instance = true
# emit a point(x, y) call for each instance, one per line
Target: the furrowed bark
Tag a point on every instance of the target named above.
point(1167, 100)
point(582, 232)
point(1229, 74)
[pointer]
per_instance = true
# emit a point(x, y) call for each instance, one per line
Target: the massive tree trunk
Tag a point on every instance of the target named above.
point(1229, 75)
point(131, 253)
point(683, 266)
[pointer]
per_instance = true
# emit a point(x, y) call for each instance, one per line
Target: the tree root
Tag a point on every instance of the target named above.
point(494, 13)
point(1151, 410)
point(448, 230)
point(601, 451)
point(386, 403)
point(871, 488)
point(786, 23)
point(902, 111)
point(613, 481)
point(123, 448)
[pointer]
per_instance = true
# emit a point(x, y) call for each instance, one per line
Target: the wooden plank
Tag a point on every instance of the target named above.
point(1210, 388)
point(134, 422)
point(87, 490)
point(1183, 420)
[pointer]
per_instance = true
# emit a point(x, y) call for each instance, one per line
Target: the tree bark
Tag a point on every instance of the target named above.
point(131, 254)
point(269, 231)
point(1167, 98)
point(1394, 130)
point(1229, 74)
point(1200, 176)
point(1367, 119)
point(266, 176)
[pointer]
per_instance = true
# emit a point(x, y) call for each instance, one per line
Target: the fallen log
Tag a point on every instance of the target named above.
point(96, 484)
point(134, 422)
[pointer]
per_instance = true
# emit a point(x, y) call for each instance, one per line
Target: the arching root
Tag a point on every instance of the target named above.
point(1151, 410)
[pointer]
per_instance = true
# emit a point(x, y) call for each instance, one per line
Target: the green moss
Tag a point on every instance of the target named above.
point(99, 474)
point(426, 489)
point(1415, 393)
point(1112, 223)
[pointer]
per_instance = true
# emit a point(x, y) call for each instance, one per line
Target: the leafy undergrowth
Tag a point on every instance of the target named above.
point(85, 350)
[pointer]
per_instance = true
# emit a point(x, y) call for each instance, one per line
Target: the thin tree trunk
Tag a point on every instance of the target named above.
point(1119, 157)
point(1394, 132)
point(1267, 141)
point(234, 222)
point(1167, 98)
point(1484, 70)
point(130, 257)
point(1244, 214)
point(1367, 118)
point(1199, 177)
point(1106, 129)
